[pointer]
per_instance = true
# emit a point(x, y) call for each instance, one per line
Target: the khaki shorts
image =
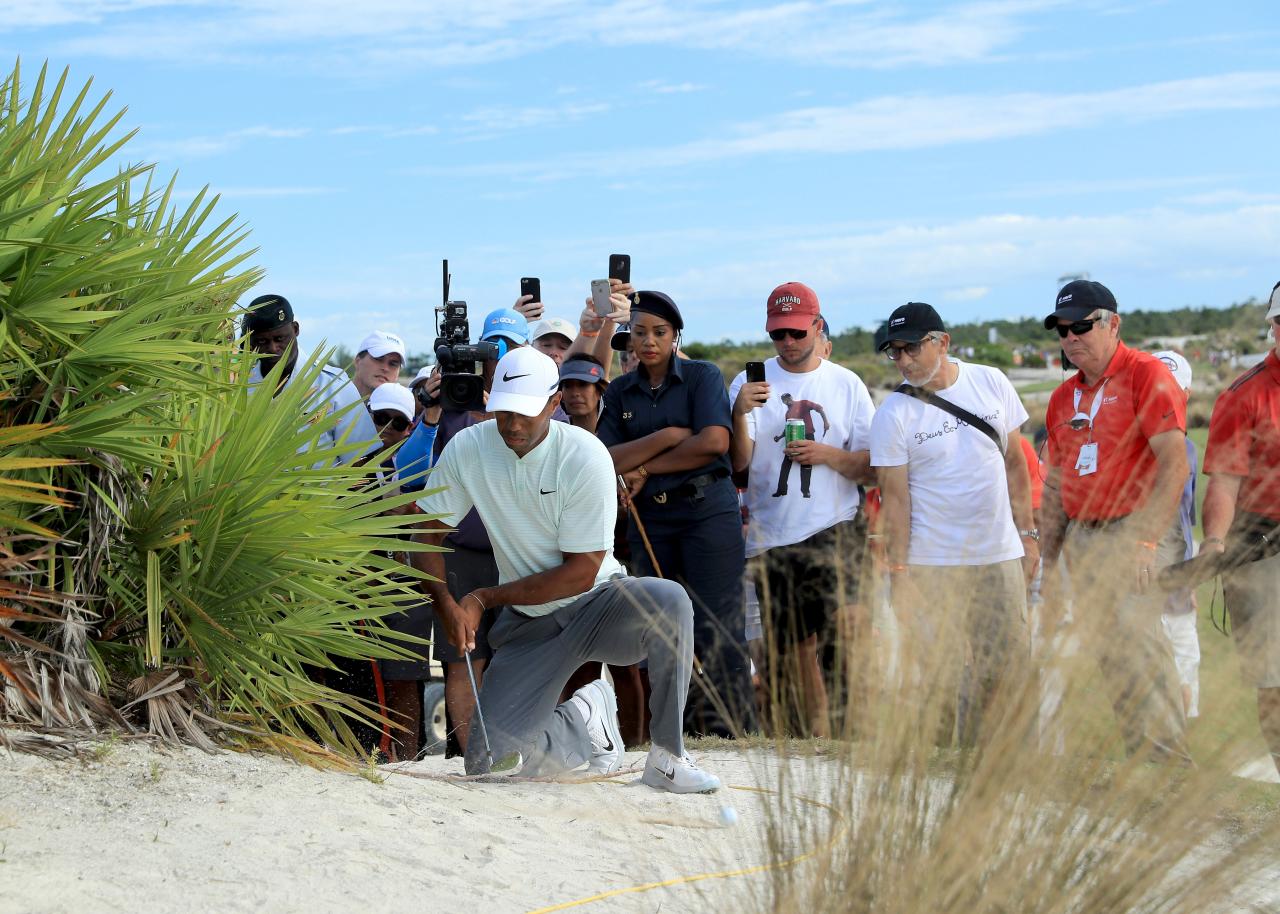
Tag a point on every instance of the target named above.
point(1253, 599)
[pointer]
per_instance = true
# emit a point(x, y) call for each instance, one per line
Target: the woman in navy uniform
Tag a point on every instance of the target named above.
point(667, 424)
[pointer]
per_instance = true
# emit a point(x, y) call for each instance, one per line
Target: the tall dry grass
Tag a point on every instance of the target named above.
point(901, 822)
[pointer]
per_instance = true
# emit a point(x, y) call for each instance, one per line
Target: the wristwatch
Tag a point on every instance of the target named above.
point(1032, 534)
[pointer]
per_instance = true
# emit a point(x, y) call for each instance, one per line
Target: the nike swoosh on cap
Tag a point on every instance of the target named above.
point(512, 377)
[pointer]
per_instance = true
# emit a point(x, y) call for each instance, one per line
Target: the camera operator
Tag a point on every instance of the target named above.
point(471, 564)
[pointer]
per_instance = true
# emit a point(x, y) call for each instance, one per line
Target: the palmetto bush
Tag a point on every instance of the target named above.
point(168, 560)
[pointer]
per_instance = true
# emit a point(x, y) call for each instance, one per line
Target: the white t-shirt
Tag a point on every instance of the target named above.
point(354, 428)
point(560, 497)
point(836, 409)
point(956, 477)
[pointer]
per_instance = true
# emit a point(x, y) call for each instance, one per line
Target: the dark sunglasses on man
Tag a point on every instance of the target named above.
point(385, 417)
point(1079, 328)
point(783, 332)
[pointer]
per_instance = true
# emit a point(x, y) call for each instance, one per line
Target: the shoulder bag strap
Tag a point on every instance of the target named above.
point(959, 412)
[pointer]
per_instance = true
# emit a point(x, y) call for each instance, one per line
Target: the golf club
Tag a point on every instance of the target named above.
point(510, 762)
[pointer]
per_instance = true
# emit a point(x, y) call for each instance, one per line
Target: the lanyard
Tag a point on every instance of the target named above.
point(1093, 408)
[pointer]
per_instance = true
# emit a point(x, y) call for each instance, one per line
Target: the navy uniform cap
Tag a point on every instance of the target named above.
point(267, 312)
point(661, 305)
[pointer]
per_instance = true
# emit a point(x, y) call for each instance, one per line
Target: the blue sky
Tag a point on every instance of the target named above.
point(966, 154)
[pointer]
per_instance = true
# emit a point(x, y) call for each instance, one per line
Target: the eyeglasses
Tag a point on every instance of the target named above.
point(783, 332)
point(385, 417)
point(1079, 328)
point(912, 349)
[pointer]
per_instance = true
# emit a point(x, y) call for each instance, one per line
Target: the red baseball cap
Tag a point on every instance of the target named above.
point(793, 306)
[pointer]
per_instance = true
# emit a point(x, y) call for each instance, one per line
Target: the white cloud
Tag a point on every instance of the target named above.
point(217, 144)
point(438, 34)
point(971, 293)
point(502, 119)
point(919, 121)
point(665, 88)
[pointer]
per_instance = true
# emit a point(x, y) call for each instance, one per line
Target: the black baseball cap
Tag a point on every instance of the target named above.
point(911, 323)
point(267, 312)
point(1078, 299)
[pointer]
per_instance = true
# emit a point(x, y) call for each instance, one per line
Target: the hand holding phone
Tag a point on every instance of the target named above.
point(530, 301)
point(620, 267)
point(600, 297)
point(754, 393)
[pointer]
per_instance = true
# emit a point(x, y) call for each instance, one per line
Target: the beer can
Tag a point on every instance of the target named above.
point(795, 430)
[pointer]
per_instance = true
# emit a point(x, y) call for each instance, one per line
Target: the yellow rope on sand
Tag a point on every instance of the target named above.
point(701, 877)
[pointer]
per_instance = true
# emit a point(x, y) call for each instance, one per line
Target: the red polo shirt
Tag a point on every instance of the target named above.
point(1139, 401)
point(1244, 437)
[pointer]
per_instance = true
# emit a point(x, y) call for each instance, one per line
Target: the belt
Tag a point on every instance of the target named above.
point(1099, 524)
point(690, 488)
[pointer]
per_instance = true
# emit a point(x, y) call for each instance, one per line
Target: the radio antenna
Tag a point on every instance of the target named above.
point(445, 299)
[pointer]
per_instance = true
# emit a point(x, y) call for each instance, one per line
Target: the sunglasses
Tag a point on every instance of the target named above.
point(385, 417)
point(783, 332)
point(1079, 328)
point(912, 349)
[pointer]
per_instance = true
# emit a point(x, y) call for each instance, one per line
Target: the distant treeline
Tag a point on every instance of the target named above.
point(1232, 324)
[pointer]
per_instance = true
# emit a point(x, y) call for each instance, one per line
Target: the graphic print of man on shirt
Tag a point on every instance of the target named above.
point(803, 410)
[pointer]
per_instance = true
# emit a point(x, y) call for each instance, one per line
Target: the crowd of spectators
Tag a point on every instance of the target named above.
point(616, 503)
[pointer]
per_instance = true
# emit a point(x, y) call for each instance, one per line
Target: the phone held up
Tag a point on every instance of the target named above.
point(532, 286)
point(620, 267)
point(755, 372)
point(600, 297)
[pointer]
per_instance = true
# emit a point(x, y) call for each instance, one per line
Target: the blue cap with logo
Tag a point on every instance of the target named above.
point(508, 324)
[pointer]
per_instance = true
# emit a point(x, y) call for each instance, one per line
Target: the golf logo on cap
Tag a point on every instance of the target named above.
point(1169, 363)
point(1066, 297)
point(896, 321)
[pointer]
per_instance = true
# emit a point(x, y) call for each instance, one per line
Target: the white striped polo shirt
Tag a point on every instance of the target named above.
point(560, 497)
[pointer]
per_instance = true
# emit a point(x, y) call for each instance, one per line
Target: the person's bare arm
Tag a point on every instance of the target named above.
point(741, 446)
point(855, 465)
point(460, 620)
point(1053, 519)
point(1219, 509)
point(692, 452)
point(630, 454)
point(895, 513)
point(575, 575)
point(1156, 516)
point(1172, 468)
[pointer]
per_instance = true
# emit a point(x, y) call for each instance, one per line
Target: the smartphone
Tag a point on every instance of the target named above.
point(530, 285)
point(755, 372)
point(620, 267)
point(600, 297)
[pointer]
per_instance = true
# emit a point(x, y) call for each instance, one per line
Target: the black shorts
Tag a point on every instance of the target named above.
point(801, 586)
point(414, 619)
point(466, 570)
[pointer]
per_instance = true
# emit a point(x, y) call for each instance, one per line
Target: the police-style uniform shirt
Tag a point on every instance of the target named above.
point(691, 396)
point(332, 385)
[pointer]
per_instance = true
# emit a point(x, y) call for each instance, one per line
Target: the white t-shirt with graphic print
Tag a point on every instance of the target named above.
point(836, 408)
point(959, 490)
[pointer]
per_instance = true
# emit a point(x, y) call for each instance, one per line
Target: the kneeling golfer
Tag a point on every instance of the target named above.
point(546, 493)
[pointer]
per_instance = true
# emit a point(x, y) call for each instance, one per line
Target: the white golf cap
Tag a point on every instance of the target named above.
point(1178, 365)
point(423, 373)
point(556, 325)
point(380, 343)
point(1273, 309)
point(523, 381)
point(392, 396)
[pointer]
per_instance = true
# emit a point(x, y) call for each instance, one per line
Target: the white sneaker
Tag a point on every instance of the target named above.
point(664, 771)
point(599, 707)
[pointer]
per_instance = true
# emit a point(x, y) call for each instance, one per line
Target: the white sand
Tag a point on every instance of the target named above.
point(145, 829)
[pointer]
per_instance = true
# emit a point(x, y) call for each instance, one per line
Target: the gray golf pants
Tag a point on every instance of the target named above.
point(620, 622)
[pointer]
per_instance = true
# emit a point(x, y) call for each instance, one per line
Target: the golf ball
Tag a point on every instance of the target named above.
point(728, 816)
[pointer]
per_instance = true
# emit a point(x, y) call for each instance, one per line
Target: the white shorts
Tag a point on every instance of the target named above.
point(1181, 631)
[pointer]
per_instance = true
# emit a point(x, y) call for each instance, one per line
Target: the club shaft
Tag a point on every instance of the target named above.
point(475, 693)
